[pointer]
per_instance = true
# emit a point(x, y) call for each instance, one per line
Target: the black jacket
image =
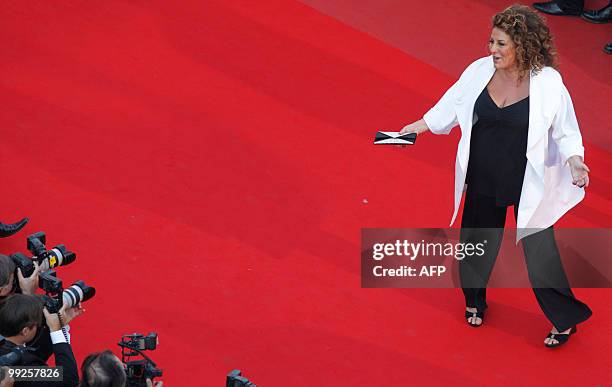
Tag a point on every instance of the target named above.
point(63, 357)
point(43, 347)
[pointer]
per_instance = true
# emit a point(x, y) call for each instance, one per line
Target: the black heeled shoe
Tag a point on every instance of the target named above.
point(599, 16)
point(479, 314)
point(7, 230)
point(561, 338)
point(552, 8)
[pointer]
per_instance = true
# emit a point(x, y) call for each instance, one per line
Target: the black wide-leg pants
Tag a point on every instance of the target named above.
point(483, 220)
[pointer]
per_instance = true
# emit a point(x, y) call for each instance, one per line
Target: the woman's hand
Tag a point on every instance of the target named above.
point(407, 129)
point(417, 127)
point(580, 171)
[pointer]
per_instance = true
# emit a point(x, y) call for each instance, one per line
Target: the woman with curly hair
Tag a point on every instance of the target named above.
point(520, 146)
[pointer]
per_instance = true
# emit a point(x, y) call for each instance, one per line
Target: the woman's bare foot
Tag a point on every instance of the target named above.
point(554, 332)
point(473, 319)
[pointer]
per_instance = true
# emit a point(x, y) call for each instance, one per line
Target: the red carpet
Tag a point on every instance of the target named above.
point(211, 164)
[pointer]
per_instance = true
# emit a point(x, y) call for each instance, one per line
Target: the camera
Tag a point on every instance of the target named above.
point(14, 357)
point(235, 379)
point(138, 371)
point(56, 296)
point(140, 342)
point(46, 259)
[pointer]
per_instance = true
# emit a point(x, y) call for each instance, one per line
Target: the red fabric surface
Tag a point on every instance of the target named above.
point(211, 164)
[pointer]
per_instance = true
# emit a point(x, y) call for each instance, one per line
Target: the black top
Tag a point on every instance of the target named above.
point(498, 149)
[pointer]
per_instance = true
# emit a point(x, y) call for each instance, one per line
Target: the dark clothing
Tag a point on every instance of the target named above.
point(43, 347)
point(498, 149)
point(42, 343)
point(63, 357)
point(541, 255)
point(496, 169)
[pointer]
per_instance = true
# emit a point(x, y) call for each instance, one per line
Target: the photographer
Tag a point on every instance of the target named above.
point(7, 278)
point(42, 342)
point(21, 318)
point(104, 369)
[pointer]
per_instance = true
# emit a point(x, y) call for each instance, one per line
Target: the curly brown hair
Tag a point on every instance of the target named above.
point(535, 48)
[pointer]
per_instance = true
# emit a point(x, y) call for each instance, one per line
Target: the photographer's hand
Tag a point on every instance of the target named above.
point(68, 314)
point(30, 284)
point(7, 380)
point(53, 321)
point(157, 384)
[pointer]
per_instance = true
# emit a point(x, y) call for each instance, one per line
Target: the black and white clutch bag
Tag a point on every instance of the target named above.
point(394, 138)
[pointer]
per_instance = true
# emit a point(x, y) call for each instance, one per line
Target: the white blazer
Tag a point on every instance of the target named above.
point(552, 138)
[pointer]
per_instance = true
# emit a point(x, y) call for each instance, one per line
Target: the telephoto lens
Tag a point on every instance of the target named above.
point(77, 293)
point(57, 256)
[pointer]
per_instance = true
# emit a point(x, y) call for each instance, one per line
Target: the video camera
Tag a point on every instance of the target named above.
point(46, 259)
point(138, 371)
point(56, 296)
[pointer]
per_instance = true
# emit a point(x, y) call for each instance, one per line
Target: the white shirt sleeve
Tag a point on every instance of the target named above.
point(58, 336)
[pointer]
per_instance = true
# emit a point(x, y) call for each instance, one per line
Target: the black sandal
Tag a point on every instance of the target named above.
point(561, 338)
point(479, 314)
